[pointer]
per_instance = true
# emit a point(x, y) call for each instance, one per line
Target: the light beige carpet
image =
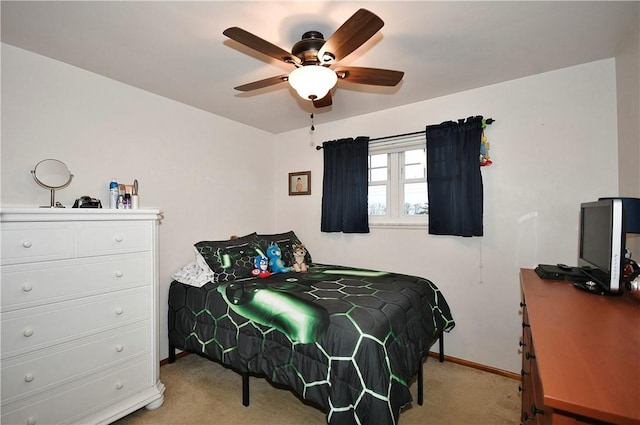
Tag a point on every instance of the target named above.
point(199, 392)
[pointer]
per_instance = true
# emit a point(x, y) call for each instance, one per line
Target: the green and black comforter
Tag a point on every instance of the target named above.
point(348, 340)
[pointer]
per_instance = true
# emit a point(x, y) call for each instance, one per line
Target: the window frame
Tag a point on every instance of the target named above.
point(395, 216)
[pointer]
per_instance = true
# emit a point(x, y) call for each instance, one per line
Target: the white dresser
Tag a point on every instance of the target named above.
point(79, 315)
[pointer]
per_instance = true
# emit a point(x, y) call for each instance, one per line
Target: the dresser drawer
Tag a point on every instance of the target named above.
point(29, 285)
point(96, 238)
point(29, 242)
point(70, 403)
point(39, 327)
point(36, 372)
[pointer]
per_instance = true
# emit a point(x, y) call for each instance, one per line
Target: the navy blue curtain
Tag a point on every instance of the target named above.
point(454, 179)
point(345, 186)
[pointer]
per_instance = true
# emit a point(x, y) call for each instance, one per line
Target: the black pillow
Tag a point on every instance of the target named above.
point(229, 259)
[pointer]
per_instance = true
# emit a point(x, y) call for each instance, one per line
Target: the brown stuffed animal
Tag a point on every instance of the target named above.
point(299, 252)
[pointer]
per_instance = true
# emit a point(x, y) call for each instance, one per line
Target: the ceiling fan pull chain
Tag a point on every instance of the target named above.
point(313, 127)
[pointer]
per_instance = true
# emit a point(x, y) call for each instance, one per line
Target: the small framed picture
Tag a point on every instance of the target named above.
point(300, 183)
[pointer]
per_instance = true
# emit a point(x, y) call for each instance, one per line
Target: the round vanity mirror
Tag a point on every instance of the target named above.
point(52, 175)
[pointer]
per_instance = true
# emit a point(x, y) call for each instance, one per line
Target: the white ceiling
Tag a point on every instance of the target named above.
point(176, 48)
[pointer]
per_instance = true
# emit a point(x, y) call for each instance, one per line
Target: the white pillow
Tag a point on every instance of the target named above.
point(197, 273)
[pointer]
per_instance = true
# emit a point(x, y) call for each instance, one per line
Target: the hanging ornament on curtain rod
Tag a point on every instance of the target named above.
point(485, 158)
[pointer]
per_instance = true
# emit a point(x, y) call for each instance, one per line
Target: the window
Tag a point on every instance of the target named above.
point(398, 183)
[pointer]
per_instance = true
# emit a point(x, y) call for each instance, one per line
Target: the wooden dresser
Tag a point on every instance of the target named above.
point(79, 315)
point(580, 355)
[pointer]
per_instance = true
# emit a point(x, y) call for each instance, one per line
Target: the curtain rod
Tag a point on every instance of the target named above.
point(489, 121)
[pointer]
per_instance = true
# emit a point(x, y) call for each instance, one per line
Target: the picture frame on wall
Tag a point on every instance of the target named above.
point(300, 183)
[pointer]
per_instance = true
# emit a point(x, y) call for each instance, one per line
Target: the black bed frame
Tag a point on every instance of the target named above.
point(245, 375)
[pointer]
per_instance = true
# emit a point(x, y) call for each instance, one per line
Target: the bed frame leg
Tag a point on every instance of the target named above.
point(172, 353)
point(245, 388)
point(421, 383)
point(441, 341)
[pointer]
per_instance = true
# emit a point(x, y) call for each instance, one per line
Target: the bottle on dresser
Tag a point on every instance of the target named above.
point(113, 194)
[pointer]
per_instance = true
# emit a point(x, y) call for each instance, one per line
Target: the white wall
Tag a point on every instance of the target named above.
point(554, 145)
point(628, 88)
point(204, 172)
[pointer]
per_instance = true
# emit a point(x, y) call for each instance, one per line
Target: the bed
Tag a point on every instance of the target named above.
point(346, 339)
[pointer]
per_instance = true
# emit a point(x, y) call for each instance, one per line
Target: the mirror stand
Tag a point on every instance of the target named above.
point(54, 204)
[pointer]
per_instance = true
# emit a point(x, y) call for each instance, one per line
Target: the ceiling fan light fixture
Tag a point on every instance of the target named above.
point(312, 81)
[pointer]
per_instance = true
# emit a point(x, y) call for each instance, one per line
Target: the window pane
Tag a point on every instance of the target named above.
point(414, 171)
point(378, 174)
point(377, 200)
point(416, 156)
point(414, 164)
point(379, 160)
point(415, 199)
point(378, 167)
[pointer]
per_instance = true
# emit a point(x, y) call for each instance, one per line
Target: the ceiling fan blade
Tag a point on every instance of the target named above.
point(352, 34)
point(260, 45)
point(325, 101)
point(372, 76)
point(263, 83)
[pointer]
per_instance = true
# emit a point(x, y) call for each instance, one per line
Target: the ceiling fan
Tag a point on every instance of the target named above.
point(313, 56)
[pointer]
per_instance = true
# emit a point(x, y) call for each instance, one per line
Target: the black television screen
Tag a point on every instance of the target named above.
point(602, 240)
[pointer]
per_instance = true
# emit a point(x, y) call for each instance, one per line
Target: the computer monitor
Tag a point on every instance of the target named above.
point(602, 243)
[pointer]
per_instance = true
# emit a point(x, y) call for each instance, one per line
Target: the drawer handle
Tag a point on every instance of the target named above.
point(119, 238)
point(27, 287)
point(119, 310)
point(528, 355)
point(28, 332)
point(119, 385)
point(536, 411)
point(119, 348)
point(27, 244)
point(119, 274)
point(31, 420)
point(28, 377)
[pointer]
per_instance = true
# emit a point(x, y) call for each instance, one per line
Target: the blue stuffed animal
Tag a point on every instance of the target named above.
point(275, 259)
